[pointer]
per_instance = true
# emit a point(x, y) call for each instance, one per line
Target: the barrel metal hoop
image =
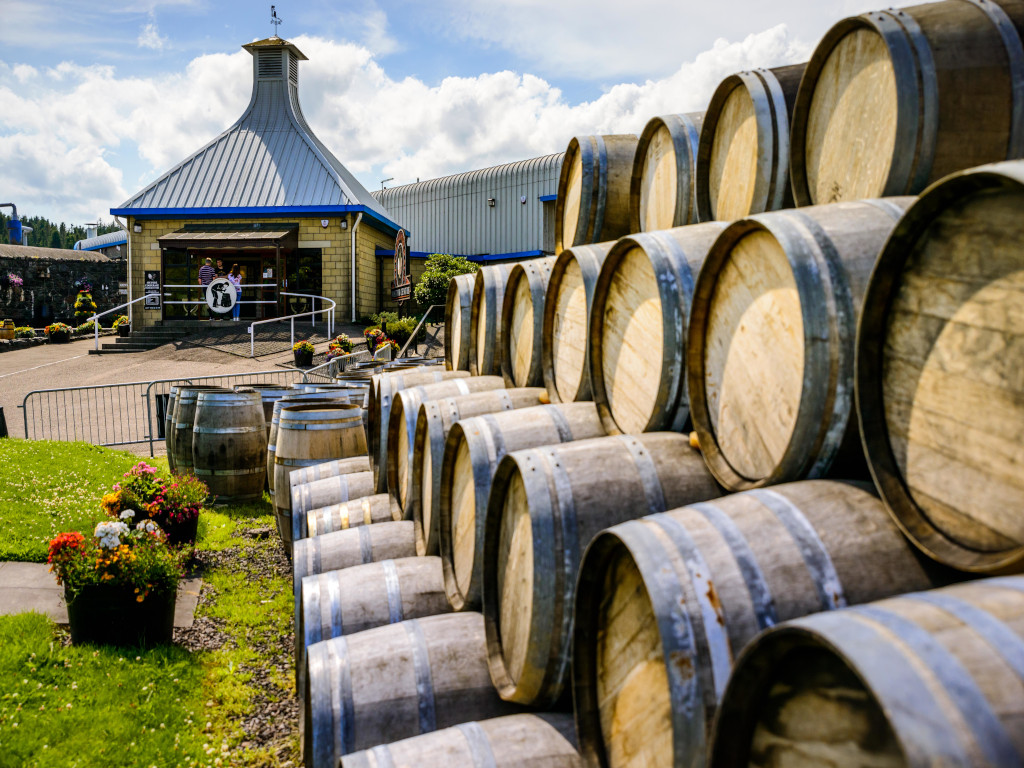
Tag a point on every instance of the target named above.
point(229, 472)
point(587, 181)
point(302, 426)
point(343, 690)
point(675, 287)
point(816, 557)
point(758, 90)
point(424, 681)
point(505, 401)
point(648, 472)
point(382, 756)
point(393, 590)
point(560, 423)
point(460, 384)
point(301, 463)
point(343, 488)
point(335, 616)
point(344, 520)
point(778, 183)
point(367, 511)
point(229, 430)
point(984, 726)
point(365, 544)
point(316, 551)
point(761, 597)
point(479, 745)
point(602, 190)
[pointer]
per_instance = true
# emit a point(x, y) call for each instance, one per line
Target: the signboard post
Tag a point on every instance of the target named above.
point(401, 285)
point(151, 289)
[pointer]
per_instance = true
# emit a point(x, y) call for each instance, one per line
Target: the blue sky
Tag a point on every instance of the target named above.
point(98, 99)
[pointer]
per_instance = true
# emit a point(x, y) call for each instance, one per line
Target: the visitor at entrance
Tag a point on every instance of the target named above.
point(220, 269)
point(235, 278)
point(206, 275)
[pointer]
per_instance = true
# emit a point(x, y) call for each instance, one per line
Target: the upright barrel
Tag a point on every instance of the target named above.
point(184, 422)
point(565, 359)
point(172, 399)
point(546, 504)
point(638, 325)
point(269, 394)
point(471, 455)
point(593, 190)
point(229, 449)
point(665, 604)
point(940, 351)
point(522, 320)
point(433, 423)
point(663, 187)
point(894, 100)
point(485, 320)
point(458, 310)
point(770, 349)
point(294, 399)
point(930, 678)
point(743, 156)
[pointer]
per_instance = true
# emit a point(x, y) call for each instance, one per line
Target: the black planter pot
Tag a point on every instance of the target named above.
point(181, 533)
point(59, 337)
point(124, 330)
point(303, 359)
point(108, 614)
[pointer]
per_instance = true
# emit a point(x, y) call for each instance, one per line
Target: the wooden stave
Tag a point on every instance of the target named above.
point(541, 740)
point(680, 253)
point(488, 289)
point(589, 258)
point(329, 469)
point(230, 457)
point(671, 474)
point(405, 411)
point(460, 294)
point(870, 409)
point(537, 273)
point(460, 635)
point(269, 394)
point(836, 444)
point(434, 421)
point(651, 544)
point(685, 132)
point(296, 399)
point(320, 494)
point(184, 421)
point(903, 675)
point(565, 422)
point(365, 510)
point(773, 92)
point(172, 398)
point(604, 197)
point(914, 61)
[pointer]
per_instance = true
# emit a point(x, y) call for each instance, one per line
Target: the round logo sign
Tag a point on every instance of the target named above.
point(221, 295)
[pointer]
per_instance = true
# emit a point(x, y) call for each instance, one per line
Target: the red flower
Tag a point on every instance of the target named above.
point(61, 546)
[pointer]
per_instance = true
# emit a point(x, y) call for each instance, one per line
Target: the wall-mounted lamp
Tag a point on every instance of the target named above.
point(490, 202)
point(137, 228)
point(344, 224)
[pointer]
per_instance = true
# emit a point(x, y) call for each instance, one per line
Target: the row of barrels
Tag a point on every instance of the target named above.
point(889, 102)
point(798, 344)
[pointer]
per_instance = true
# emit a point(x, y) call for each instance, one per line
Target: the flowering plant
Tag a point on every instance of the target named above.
point(140, 489)
point(87, 327)
point(84, 305)
point(14, 280)
point(342, 343)
point(83, 284)
point(119, 321)
point(387, 343)
point(58, 328)
point(374, 336)
point(183, 497)
point(138, 559)
point(303, 346)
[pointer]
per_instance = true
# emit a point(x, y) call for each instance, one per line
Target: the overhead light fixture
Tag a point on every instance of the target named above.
point(137, 228)
point(344, 223)
point(490, 202)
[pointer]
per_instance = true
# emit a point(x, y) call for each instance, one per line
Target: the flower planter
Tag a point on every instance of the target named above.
point(59, 337)
point(181, 533)
point(109, 614)
point(303, 359)
point(124, 330)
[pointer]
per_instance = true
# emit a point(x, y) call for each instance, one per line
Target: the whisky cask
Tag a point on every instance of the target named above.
point(172, 398)
point(366, 510)
point(486, 333)
point(522, 322)
point(354, 546)
point(229, 449)
point(269, 394)
point(457, 313)
point(329, 469)
point(299, 397)
point(663, 187)
point(319, 494)
point(184, 422)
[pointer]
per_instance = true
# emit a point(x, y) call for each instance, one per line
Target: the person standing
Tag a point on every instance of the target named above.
point(220, 269)
point(235, 278)
point(206, 275)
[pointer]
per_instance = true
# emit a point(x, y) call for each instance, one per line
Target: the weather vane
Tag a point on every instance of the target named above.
point(274, 19)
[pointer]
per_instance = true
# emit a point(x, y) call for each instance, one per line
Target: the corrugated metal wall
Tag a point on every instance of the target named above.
point(451, 214)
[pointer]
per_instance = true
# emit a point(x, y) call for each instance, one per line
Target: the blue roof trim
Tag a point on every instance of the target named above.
point(547, 198)
point(273, 210)
point(476, 258)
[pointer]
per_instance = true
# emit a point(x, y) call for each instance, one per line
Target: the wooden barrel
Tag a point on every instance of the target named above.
point(638, 323)
point(394, 682)
point(565, 359)
point(353, 546)
point(184, 421)
point(458, 310)
point(326, 493)
point(471, 455)
point(402, 428)
point(329, 469)
point(522, 322)
point(350, 600)
point(930, 678)
point(366, 510)
point(309, 435)
point(662, 189)
point(485, 335)
point(434, 422)
point(939, 354)
point(229, 448)
point(514, 741)
point(593, 190)
point(308, 398)
point(546, 505)
point(172, 398)
point(770, 349)
point(357, 392)
point(383, 389)
point(894, 100)
point(665, 604)
point(269, 394)
point(743, 155)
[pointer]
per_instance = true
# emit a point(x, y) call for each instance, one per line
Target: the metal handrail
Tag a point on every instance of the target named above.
point(401, 352)
point(313, 313)
point(95, 318)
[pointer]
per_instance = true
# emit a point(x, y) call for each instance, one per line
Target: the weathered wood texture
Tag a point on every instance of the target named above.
point(329, 469)
point(332, 490)
point(172, 398)
point(940, 355)
point(309, 398)
point(743, 155)
point(593, 190)
point(894, 100)
point(925, 679)
point(522, 322)
point(471, 455)
point(394, 682)
point(184, 422)
point(486, 332)
point(434, 422)
point(666, 603)
point(565, 359)
point(546, 504)
point(663, 189)
point(513, 741)
point(770, 350)
point(355, 546)
point(458, 311)
point(229, 448)
point(269, 394)
point(365, 510)
point(637, 335)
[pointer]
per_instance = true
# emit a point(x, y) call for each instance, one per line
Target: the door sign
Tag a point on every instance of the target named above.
point(221, 295)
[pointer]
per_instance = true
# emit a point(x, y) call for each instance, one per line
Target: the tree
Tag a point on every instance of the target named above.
point(432, 287)
point(55, 241)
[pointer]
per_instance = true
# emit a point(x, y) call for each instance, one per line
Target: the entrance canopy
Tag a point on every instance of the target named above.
point(284, 237)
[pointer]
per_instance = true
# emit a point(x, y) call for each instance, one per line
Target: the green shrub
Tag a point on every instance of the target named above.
point(381, 319)
point(119, 321)
point(89, 327)
point(24, 332)
point(401, 329)
point(432, 287)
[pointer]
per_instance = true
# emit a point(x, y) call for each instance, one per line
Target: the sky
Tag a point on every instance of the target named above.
point(99, 99)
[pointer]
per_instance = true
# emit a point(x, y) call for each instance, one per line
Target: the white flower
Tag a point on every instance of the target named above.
point(109, 533)
point(128, 514)
point(147, 526)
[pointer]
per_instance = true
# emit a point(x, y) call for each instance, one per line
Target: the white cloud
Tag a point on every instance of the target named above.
point(149, 37)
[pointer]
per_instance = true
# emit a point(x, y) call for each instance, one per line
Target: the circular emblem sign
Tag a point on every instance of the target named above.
point(401, 286)
point(221, 295)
